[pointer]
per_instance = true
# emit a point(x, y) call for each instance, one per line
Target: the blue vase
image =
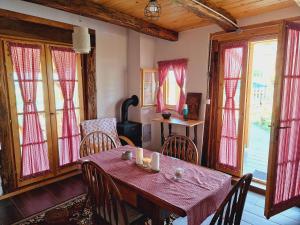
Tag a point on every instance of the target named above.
point(185, 112)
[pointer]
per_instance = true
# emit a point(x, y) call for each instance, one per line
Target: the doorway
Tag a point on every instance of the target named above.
point(260, 90)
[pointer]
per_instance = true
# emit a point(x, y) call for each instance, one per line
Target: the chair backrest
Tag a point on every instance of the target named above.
point(231, 210)
point(181, 147)
point(107, 203)
point(107, 125)
point(94, 142)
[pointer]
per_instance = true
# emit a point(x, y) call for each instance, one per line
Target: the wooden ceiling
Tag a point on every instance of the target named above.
point(177, 18)
point(176, 15)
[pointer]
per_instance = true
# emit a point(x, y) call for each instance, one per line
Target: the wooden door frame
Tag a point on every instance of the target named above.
point(45, 31)
point(270, 208)
point(247, 33)
point(49, 108)
point(14, 116)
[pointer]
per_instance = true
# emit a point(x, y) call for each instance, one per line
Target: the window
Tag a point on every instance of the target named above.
point(171, 91)
point(171, 85)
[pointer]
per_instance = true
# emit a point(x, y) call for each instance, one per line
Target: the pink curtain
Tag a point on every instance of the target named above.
point(163, 69)
point(179, 67)
point(27, 64)
point(65, 63)
point(288, 158)
point(233, 64)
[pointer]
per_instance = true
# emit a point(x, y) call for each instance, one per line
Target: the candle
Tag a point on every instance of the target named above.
point(139, 156)
point(155, 161)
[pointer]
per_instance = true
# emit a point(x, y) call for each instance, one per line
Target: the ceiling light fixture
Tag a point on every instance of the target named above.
point(152, 10)
point(81, 39)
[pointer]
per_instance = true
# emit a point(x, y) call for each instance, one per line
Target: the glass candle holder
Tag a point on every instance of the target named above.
point(146, 161)
point(178, 173)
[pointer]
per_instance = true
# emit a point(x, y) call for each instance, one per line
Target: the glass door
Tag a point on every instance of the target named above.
point(28, 93)
point(231, 107)
point(46, 107)
point(66, 106)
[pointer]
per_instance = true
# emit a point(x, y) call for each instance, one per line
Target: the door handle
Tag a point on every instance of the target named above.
point(286, 127)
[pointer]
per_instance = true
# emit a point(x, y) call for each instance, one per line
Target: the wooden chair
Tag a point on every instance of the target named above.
point(95, 142)
point(181, 147)
point(107, 125)
point(231, 209)
point(108, 206)
point(234, 203)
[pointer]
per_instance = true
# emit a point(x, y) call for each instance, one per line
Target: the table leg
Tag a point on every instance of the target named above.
point(156, 218)
point(170, 129)
point(187, 131)
point(151, 210)
point(195, 135)
point(162, 137)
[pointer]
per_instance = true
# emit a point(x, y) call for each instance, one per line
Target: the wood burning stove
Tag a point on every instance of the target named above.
point(130, 129)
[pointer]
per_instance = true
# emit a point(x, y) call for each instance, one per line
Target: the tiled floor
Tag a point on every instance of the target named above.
point(31, 202)
point(26, 204)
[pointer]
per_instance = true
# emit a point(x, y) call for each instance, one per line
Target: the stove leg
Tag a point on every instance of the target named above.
point(162, 137)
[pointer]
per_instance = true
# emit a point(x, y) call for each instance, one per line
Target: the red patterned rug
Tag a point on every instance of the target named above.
point(67, 213)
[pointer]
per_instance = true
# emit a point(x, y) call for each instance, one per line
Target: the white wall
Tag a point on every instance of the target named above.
point(147, 51)
point(111, 53)
point(141, 54)
point(134, 79)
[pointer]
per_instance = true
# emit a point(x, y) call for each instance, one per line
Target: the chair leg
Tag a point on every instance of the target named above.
point(143, 220)
point(85, 203)
point(168, 221)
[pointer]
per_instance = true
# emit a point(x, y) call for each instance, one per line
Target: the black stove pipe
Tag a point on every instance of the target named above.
point(134, 100)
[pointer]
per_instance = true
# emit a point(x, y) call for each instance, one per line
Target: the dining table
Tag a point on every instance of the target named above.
point(157, 194)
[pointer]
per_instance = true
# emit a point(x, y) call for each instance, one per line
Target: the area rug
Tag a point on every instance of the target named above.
point(73, 207)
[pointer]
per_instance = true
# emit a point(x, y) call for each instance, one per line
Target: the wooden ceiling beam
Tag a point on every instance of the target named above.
point(208, 10)
point(33, 19)
point(103, 13)
point(32, 27)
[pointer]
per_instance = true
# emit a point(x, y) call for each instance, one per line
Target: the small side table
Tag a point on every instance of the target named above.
point(177, 121)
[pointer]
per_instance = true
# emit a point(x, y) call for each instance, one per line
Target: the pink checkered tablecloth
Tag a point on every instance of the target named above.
point(198, 193)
